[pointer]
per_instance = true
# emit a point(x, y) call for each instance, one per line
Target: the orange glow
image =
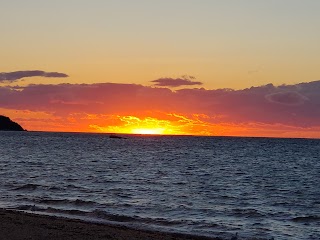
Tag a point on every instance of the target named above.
point(154, 123)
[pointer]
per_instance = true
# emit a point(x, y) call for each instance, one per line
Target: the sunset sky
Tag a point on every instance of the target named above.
point(200, 67)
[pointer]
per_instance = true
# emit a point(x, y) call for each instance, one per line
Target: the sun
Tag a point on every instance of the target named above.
point(148, 131)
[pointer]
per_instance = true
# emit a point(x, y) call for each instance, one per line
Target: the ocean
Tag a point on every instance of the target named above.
point(207, 186)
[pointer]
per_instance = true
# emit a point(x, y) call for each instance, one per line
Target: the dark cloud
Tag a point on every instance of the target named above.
point(14, 76)
point(176, 82)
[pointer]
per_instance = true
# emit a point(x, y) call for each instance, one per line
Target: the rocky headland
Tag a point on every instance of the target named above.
point(6, 124)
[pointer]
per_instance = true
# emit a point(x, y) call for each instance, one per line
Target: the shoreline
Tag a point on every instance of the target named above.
point(16, 225)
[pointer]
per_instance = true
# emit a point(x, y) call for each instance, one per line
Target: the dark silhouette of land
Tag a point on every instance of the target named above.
point(116, 136)
point(6, 124)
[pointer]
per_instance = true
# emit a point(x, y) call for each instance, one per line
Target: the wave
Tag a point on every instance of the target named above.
point(33, 186)
point(29, 186)
point(30, 208)
point(100, 215)
point(136, 222)
point(77, 202)
point(67, 212)
point(306, 219)
point(55, 188)
point(247, 212)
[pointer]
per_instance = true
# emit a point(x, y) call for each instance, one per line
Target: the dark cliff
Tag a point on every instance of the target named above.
point(7, 125)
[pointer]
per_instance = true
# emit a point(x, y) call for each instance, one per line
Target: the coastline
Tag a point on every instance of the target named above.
point(16, 225)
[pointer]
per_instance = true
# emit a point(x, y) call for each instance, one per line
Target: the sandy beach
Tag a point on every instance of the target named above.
point(20, 225)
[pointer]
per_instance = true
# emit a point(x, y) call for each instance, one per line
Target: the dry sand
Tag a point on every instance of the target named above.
point(19, 226)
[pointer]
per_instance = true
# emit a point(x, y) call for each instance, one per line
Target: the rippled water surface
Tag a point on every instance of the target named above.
point(207, 186)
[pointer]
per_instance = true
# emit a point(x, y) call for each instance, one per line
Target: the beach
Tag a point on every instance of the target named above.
point(16, 225)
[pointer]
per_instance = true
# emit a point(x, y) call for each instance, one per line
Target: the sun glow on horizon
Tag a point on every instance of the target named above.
point(148, 131)
point(166, 124)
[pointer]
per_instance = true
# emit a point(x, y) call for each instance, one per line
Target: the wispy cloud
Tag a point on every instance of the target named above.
point(15, 76)
point(176, 82)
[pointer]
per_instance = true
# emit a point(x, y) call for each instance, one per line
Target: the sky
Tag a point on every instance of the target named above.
point(200, 67)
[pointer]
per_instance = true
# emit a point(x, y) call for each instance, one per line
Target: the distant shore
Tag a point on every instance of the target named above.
point(16, 225)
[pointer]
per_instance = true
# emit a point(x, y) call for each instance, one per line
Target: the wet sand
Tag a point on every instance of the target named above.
point(20, 225)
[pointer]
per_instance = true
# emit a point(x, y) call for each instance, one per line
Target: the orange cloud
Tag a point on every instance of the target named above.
point(283, 111)
point(170, 123)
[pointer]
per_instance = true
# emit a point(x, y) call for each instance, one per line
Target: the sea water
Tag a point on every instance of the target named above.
point(207, 186)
